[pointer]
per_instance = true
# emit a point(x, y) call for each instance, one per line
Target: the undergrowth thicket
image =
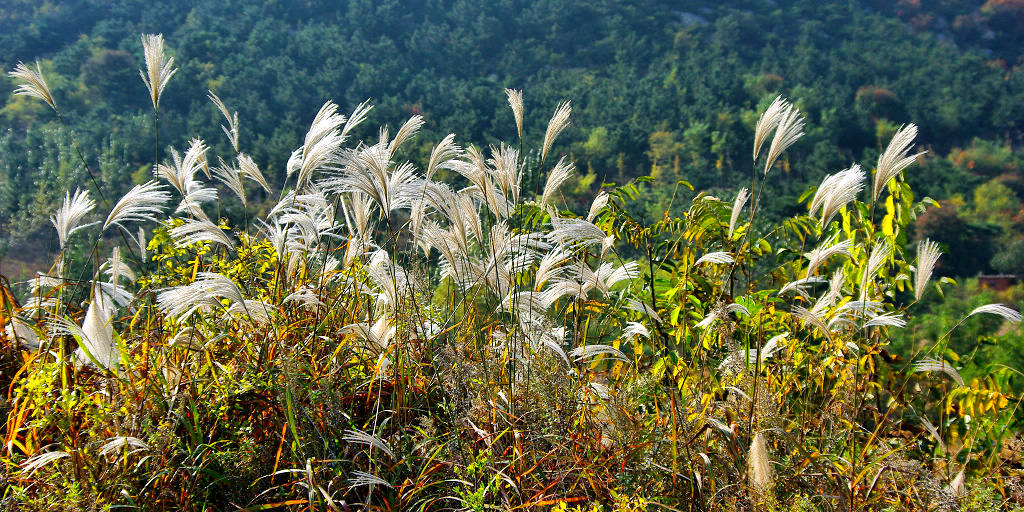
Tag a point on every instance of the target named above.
point(439, 335)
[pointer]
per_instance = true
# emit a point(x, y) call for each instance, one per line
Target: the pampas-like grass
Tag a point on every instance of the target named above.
point(32, 83)
point(935, 365)
point(320, 146)
point(143, 203)
point(835, 191)
point(826, 250)
point(998, 310)
point(559, 121)
point(719, 258)
point(97, 334)
point(928, 253)
point(515, 101)
point(68, 218)
point(193, 231)
point(737, 206)
point(768, 121)
point(231, 130)
point(159, 68)
point(895, 158)
point(789, 129)
point(759, 469)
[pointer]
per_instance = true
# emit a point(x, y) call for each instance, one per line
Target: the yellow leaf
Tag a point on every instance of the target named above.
point(887, 225)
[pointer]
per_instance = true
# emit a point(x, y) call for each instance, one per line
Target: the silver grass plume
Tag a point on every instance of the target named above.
point(587, 352)
point(22, 333)
point(606, 276)
point(895, 158)
point(642, 308)
point(97, 334)
point(562, 171)
point(117, 268)
point(934, 365)
point(790, 128)
point(443, 152)
point(158, 67)
point(599, 203)
point(559, 120)
point(876, 259)
point(759, 469)
point(799, 286)
point(362, 478)
point(721, 258)
point(357, 116)
point(247, 167)
point(231, 178)
point(32, 83)
point(205, 292)
point(737, 206)
point(515, 101)
point(121, 444)
point(835, 191)
point(181, 174)
point(928, 254)
point(321, 145)
point(579, 231)
point(998, 310)
point(505, 171)
point(370, 172)
point(768, 121)
point(360, 437)
point(257, 311)
point(551, 265)
point(68, 218)
point(407, 131)
point(826, 250)
point(41, 460)
point(141, 203)
point(231, 130)
point(202, 230)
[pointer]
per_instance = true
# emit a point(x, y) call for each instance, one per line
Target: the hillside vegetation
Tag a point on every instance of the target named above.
point(400, 323)
point(656, 88)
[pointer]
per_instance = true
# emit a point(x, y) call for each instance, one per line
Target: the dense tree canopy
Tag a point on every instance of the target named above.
point(655, 88)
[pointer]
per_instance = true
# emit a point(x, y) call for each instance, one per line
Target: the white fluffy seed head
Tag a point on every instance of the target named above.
point(32, 83)
point(158, 67)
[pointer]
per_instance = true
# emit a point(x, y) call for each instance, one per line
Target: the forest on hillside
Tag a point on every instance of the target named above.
point(656, 89)
point(524, 255)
